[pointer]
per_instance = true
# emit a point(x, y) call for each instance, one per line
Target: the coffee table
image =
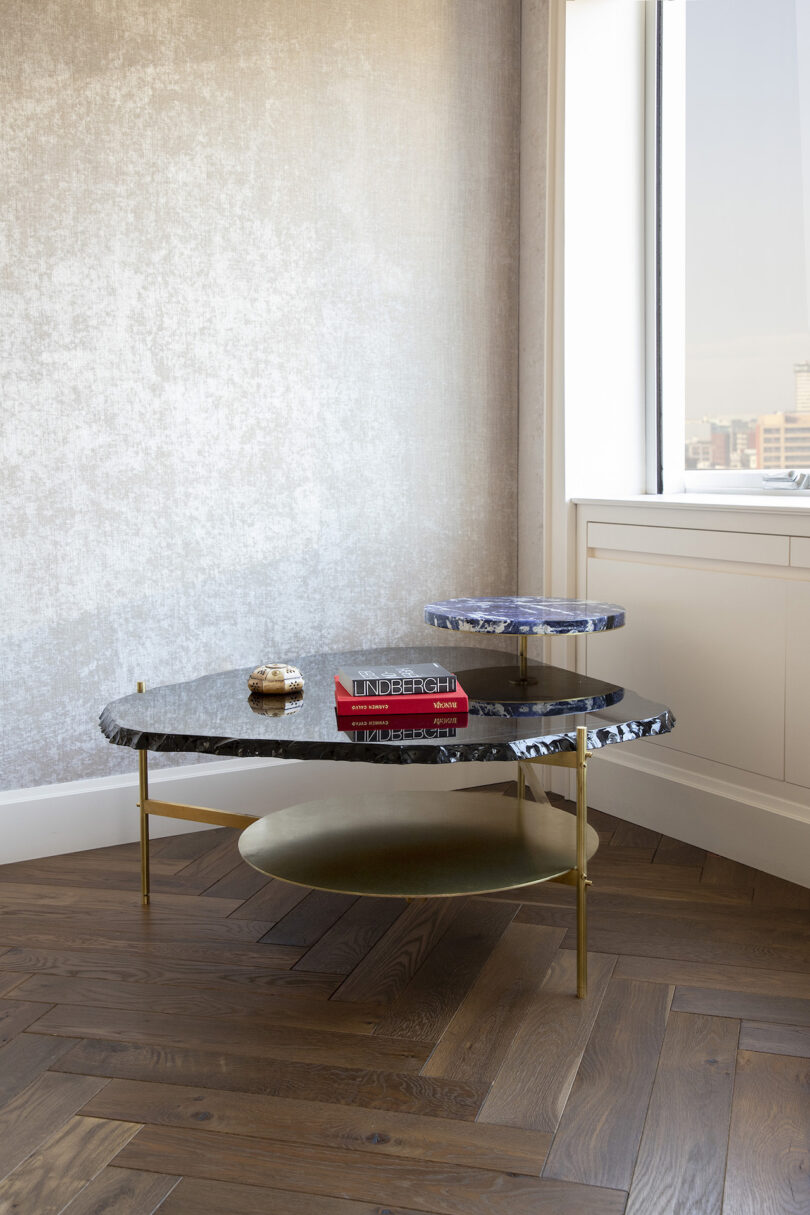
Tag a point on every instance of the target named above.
point(494, 845)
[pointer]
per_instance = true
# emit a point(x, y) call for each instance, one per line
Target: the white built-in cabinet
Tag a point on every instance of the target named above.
point(797, 656)
point(718, 607)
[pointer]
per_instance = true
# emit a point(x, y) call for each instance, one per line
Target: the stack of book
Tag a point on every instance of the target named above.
point(394, 703)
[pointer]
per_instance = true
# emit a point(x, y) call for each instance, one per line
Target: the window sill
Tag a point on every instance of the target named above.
point(787, 503)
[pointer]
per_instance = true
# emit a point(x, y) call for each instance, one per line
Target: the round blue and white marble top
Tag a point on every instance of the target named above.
point(524, 614)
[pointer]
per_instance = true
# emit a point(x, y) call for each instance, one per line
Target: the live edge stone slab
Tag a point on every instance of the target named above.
point(524, 614)
point(213, 715)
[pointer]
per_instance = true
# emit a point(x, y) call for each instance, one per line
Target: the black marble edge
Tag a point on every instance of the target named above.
point(381, 753)
point(558, 628)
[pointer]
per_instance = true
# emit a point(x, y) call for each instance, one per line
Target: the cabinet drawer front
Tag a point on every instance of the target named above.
point(745, 547)
point(711, 644)
point(800, 551)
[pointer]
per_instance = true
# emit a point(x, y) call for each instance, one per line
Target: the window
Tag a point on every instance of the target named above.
point(735, 160)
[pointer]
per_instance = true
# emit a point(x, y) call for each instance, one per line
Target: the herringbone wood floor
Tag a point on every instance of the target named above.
point(246, 1047)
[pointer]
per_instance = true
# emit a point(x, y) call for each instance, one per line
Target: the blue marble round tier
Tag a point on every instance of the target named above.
point(524, 614)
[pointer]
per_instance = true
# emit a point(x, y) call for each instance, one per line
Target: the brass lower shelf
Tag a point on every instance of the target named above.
point(415, 845)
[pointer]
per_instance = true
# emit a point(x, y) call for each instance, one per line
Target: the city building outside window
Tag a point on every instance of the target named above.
point(744, 173)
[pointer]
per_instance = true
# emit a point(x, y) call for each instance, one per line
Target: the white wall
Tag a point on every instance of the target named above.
point(604, 249)
point(536, 233)
point(259, 335)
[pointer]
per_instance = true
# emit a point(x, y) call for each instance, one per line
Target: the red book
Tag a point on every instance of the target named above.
point(394, 706)
point(402, 721)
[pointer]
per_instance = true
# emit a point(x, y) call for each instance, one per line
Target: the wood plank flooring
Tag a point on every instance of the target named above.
point(244, 1047)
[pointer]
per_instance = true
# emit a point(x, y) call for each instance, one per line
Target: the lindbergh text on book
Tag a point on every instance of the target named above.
point(404, 687)
point(421, 679)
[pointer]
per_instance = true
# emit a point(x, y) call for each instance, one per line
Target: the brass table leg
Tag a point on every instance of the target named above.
point(143, 788)
point(180, 810)
point(578, 875)
point(583, 755)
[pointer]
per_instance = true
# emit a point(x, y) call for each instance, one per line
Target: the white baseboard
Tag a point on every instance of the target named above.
point(54, 819)
point(750, 825)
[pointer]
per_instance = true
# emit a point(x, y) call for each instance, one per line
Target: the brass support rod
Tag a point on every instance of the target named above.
point(568, 879)
point(558, 759)
point(521, 782)
point(143, 789)
point(583, 755)
point(199, 814)
point(523, 650)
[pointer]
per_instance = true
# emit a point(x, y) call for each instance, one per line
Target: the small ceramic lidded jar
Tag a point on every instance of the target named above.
point(276, 679)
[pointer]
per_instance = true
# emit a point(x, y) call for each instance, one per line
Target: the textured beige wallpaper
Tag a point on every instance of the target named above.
point(259, 340)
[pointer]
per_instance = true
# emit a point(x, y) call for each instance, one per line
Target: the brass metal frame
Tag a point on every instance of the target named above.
point(578, 876)
point(161, 809)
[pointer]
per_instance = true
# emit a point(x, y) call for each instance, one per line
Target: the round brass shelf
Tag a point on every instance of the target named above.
point(416, 845)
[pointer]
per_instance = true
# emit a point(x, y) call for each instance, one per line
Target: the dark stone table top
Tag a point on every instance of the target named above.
point(216, 715)
point(526, 614)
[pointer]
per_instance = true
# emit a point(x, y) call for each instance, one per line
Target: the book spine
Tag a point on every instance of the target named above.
point(402, 721)
point(413, 685)
point(453, 702)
